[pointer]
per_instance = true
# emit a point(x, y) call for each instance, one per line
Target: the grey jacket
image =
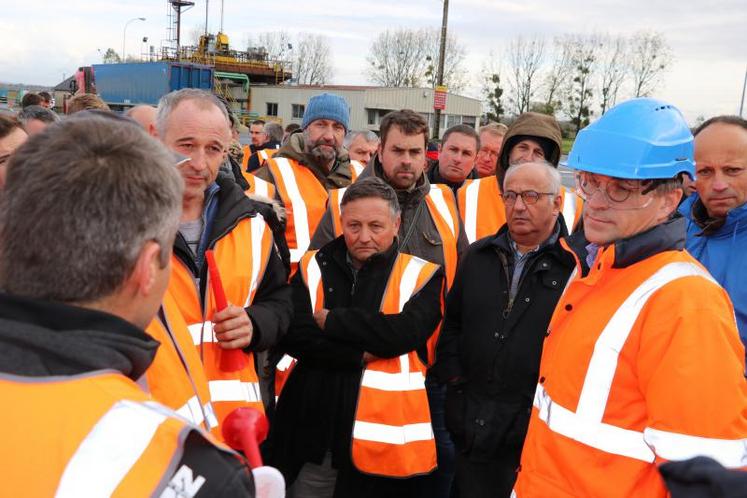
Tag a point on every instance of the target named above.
point(422, 240)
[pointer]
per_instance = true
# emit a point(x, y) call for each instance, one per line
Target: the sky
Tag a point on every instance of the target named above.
point(44, 40)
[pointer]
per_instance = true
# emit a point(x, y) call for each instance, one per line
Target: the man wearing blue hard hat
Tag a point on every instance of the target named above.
point(642, 361)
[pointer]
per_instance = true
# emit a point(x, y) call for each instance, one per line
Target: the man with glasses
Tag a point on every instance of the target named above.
point(496, 316)
point(642, 363)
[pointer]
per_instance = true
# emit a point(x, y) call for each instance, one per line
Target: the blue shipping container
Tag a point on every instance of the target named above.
point(135, 83)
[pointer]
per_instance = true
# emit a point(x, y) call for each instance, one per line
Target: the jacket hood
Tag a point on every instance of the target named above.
point(41, 338)
point(532, 125)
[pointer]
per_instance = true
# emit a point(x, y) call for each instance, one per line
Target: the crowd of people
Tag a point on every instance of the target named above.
point(414, 323)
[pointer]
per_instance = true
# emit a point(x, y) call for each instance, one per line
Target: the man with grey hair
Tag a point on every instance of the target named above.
point(305, 168)
point(105, 199)
point(217, 215)
point(496, 316)
point(365, 326)
point(274, 134)
point(35, 118)
point(361, 146)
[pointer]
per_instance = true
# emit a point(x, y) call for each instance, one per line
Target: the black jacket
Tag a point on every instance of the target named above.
point(44, 339)
point(271, 311)
point(489, 350)
point(254, 163)
point(316, 410)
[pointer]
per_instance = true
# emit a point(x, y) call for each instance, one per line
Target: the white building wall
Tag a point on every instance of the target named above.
point(364, 99)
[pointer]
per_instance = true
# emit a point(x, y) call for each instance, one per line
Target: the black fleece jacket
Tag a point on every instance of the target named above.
point(316, 409)
point(271, 310)
point(44, 339)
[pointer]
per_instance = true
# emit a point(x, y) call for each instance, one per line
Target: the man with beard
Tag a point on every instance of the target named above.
point(305, 168)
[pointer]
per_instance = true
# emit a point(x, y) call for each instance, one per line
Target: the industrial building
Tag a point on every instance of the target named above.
point(368, 104)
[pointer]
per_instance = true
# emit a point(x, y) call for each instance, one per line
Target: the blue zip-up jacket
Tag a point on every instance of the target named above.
point(724, 253)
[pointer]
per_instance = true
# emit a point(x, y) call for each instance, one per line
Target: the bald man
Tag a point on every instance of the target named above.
point(145, 115)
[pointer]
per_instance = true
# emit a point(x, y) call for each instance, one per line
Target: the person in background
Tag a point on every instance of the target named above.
point(491, 141)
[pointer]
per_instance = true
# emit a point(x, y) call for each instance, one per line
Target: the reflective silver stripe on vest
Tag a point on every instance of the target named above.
point(392, 434)
point(585, 425)
point(357, 167)
point(234, 390)
point(258, 227)
point(110, 450)
point(285, 362)
point(731, 453)
point(193, 412)
point(569, 209)
point(201, 332)
point(471, 194)
point(314, 276)
point(261, 187)
point(438, 200)
point(300, 214)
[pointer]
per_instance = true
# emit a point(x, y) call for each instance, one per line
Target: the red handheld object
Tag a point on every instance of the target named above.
point(244, 429)
point(231, 360)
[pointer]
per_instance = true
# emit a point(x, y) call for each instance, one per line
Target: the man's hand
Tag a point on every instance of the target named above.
point(232, 327)
point(320, 317)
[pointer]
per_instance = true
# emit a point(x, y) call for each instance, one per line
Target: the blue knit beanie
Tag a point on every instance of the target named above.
point(327, 106)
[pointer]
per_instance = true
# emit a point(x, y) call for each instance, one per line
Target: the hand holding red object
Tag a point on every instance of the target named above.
point(231, 360)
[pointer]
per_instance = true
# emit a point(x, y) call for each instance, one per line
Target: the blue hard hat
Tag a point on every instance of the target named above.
point(640, 139)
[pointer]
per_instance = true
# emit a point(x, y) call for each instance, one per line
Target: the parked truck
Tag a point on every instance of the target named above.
point(122, 86)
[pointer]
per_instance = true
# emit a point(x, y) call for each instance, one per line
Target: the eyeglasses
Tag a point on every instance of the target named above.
point(620, 194)
point(528, 196)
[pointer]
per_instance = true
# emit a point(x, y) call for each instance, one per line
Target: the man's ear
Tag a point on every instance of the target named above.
point(146, 269)
point(152, 131)
point(670, 204)
point(557, 206)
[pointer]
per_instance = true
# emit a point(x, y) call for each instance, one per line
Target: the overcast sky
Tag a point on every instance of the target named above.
point(43, 40)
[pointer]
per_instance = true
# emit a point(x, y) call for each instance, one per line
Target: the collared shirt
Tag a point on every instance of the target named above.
point(520, 260)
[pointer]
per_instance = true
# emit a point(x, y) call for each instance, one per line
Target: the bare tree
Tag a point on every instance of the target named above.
point(409, 58)
point(277, 44)
point(525, 59)
point(559, 72)
point(454, 71)
point(613, 63)
point(650, 58)
point(579, 92)
point(397, 58)
point(312, 60)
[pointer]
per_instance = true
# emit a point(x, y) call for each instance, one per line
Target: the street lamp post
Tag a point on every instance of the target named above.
point(124, 34)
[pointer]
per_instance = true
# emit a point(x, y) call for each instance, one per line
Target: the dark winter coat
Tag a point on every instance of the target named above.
point(316, 409)
point(489, 351)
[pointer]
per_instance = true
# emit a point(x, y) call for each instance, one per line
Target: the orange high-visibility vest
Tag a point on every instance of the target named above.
point(176, 378)
point(262, 155)
point(356, 168)
point(631, 376)
point(258, 186)
point(245, 158)
point(242, 256)
point(89, 434)
point(305, 200)
point(392, 433)
point(483, 212)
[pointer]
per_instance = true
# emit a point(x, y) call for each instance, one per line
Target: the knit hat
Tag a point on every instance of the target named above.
point(327, 106)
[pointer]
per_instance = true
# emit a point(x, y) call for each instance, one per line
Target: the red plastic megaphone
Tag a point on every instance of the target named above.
point(244, 429)
point(231, 360)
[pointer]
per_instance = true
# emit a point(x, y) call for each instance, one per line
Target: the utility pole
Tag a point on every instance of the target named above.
point(441, 57)
point(744, 85)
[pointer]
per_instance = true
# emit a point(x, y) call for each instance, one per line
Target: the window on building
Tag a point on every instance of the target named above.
point(298, 110)
point(272, 109)
point(469, 121)
point(371, 113)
